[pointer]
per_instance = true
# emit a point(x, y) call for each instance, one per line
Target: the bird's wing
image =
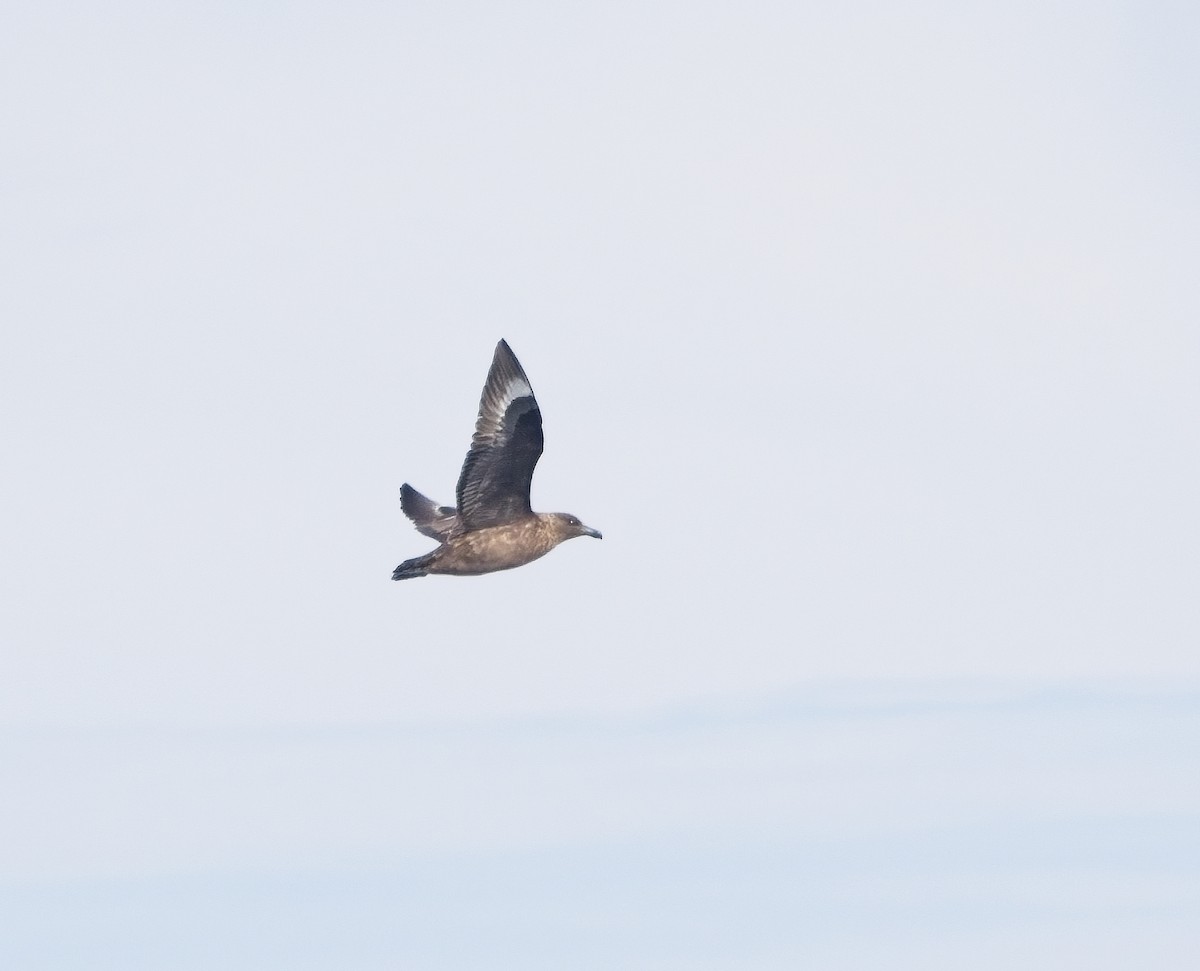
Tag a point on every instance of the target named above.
point(432, 520)
point(493, 487)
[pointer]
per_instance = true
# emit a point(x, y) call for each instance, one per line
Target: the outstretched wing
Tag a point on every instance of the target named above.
point(432, 520)
point(493, 487)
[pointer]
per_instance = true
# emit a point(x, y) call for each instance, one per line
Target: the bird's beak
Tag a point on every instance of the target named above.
point(595, 533)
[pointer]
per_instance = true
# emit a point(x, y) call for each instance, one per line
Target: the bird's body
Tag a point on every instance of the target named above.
point(492, 548)
point(493, 527)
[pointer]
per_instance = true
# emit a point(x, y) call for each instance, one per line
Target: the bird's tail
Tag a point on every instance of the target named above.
point(416, 567)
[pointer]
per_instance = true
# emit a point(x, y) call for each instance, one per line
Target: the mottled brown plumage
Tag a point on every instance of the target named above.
point(493, 527)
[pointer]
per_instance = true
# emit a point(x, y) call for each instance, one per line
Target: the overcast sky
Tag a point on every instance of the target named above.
point(867, 335)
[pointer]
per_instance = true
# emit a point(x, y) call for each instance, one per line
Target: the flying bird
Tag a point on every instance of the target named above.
point(492, 527)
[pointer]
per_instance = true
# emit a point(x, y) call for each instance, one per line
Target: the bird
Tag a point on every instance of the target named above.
point(492, 526)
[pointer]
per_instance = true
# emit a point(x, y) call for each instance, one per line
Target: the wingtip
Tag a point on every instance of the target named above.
point(504, 351)
point(505, 363)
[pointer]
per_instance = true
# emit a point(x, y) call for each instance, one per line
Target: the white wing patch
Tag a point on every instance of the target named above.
point(516, 388)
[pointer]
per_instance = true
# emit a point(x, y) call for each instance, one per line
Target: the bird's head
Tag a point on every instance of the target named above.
point(569, 526)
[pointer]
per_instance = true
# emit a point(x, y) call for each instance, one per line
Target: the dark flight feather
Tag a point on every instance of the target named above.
point(493, 488)
point(432, 520)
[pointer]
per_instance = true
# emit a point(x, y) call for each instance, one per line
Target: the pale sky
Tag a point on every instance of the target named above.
point(868, 336)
